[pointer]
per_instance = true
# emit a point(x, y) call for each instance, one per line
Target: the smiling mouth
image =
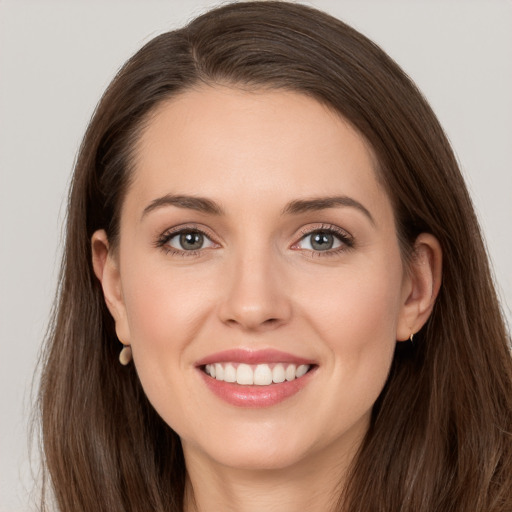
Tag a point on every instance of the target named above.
point(256, 374)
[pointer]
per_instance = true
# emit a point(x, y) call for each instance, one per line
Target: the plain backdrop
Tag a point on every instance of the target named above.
point(56, 58)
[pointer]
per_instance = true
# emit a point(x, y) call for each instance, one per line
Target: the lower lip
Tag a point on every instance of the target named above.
point(256, 396)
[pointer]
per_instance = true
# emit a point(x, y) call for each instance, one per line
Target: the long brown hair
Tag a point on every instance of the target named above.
point(440, 435)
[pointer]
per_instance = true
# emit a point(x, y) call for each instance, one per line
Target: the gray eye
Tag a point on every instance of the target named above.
point(190, 241)
point(320, 241)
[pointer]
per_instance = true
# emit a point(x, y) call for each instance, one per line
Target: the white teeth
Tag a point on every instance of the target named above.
point(278, 374)
point(290, 372)
point(259, 375)
point(229, 373)
point(301, 370)
point(219, 371)
point(244, 374)
point(262, 375)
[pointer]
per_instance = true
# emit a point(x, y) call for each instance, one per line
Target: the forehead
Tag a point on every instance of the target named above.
point(224, 142)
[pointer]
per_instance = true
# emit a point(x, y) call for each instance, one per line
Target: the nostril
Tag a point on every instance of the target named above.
point(269, 323)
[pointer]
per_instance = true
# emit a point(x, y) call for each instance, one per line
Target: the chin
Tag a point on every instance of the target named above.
point(257, 459)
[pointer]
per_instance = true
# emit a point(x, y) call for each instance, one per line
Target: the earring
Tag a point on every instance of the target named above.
point(125, 355)
point(411, 338)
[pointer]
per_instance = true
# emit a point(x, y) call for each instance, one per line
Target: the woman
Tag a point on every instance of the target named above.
point(261, 215)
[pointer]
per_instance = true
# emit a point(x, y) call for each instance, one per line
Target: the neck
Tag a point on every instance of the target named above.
point(313, 484)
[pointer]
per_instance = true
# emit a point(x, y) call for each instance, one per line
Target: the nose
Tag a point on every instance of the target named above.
point(255, 297)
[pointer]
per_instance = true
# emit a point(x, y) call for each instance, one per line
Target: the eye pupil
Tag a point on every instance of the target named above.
point(322, 241)
point(191, 240)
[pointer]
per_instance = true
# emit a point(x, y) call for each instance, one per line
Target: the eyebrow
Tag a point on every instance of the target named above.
point(199, 204)
point(323, 203)
point(204, 205)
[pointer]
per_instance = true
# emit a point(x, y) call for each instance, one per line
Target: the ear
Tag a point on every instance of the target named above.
point(421, 286)
point(106, 269)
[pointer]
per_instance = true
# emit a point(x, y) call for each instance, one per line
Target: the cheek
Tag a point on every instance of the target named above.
point(357, 319)
point(161, 313)
point(163, 320)
point(359, 304)
point(166, 307)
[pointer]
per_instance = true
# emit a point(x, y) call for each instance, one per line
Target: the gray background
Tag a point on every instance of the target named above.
point(56, 57)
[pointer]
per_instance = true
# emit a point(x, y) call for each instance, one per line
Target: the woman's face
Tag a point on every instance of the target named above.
point(256, 243)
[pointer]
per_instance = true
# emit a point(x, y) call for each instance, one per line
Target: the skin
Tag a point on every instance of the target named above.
point(259, 284)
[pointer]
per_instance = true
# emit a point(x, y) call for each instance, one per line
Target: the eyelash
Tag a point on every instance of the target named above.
point(347, 241)
point(166, 237)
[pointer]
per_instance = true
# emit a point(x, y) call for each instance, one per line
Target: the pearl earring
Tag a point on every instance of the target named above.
point(125, 355)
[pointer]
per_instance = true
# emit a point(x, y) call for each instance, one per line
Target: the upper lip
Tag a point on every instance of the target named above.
point(240, 355)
